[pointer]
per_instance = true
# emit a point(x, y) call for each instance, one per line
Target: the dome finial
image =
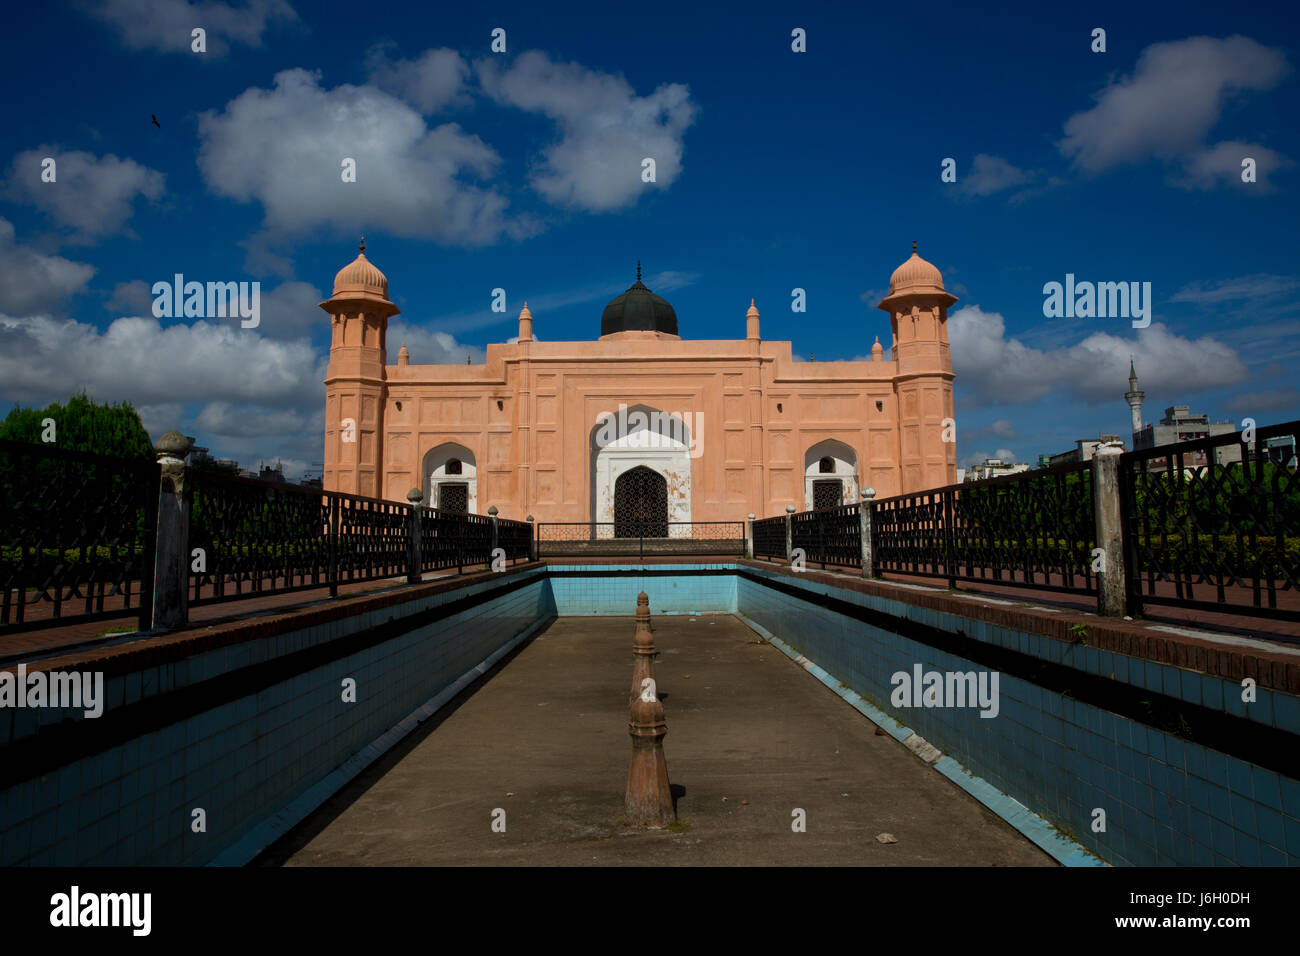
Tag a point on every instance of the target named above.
point(363, 245)
point(638, 270)
point(913, 247)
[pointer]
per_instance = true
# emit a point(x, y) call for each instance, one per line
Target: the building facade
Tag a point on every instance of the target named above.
point(639, 422)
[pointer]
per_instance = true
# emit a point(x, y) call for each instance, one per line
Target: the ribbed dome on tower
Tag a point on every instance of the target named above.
point(916, 275)
point(360, 275)
point(638, 310)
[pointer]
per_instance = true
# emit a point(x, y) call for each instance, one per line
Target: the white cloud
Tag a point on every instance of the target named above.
point(164, 25)
point(31, 282)
point(92, 195)
point(1241, 288)
point(1221, 165)
point(989, 175)
point(606, 129)
point(997, 369)
point(428, 347)
point(283, 148)
point(135, 359)
point(227, 420)
point(1167, 107)
point(131, 298)
point(433, 81)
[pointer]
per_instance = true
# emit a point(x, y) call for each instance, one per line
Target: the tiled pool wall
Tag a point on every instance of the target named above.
point(583, 590)
point(251, 756)
point(1167, 800)
point(256, 762)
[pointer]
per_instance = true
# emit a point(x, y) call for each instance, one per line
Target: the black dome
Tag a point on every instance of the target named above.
point(638, 310)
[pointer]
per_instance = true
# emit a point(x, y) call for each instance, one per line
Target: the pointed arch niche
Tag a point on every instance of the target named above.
point(827, 464)
point(450, 478)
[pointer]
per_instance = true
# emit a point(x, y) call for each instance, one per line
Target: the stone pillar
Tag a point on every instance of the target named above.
point(171, 564)
point(414, 560)
point(749, 538)
point(532, 539)
point(1112, 586)
point(649, 799)
point(789, 532)
point(643, 647)
point(492, 513)
point(864, 519)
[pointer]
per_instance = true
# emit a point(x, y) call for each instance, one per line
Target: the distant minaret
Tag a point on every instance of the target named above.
point(1134, 399)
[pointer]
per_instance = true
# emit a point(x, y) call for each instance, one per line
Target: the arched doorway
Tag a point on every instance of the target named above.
point(641, 504)
point(450, 479)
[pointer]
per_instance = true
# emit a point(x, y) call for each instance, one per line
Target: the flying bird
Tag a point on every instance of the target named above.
point(155, 121)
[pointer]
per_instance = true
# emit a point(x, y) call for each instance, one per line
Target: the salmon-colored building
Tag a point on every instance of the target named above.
point(639, 423)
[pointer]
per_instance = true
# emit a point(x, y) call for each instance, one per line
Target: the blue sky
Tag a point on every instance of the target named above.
point(775, 170)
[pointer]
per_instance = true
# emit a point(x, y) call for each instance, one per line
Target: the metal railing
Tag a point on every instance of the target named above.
point(828, 536)
point(1213, 524)
point(631, 537)
point(1036, 529)
point(76, 536)
point(769, 538)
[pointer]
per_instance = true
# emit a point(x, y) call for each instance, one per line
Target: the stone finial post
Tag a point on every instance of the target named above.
point(532, 539)
point(414, 559)
point(649, 800)
point(749, 537)
point(643, 646)
point(1112, 586)
point(492, 513)
point(789, 532)
point(864, 520)
point(171, 565)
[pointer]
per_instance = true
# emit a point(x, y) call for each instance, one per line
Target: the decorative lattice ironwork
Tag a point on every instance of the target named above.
point(257, 537)
point(641, 504)
point(1035, 529)
point(76, 536)
point(769, 538)
point(640, 538)
point(515, 538)
point(1214, 524)
point(828, 536)
point(453, 498)
point(827, 493)
point(372, 538)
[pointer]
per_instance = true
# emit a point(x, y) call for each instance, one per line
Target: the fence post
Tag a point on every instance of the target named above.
point(492, 513)
point(1112, 581)
point(789, 532)
point(414, 559)
point(171, 568)
point(864, 524)
point(533, 532)
point(949, 516)
point(749, 538)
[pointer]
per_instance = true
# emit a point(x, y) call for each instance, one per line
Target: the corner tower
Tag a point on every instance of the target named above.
point(355, 381)
point(918, 313)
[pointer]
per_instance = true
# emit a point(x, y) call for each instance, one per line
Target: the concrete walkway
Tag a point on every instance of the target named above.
point(545, 739)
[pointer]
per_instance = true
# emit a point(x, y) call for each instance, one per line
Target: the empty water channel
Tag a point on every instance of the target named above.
point(788, 693)
point(812, 717)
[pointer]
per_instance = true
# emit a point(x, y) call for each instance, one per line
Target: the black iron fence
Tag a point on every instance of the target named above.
point(828, 535)
point(640, 538)
point(769, 538)
point(1036, 529)
point(263, 538)
point(1214, 524)
point(76, 535)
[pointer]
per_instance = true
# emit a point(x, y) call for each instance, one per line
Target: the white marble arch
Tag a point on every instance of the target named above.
point(436, 474)
point(844, 461)
point(661, 452)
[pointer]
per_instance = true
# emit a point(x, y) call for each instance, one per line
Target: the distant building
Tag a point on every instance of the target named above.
point(994, 468)
point(1281, 451)
point(275, 474)
point(1044, 461)
point(961, 475)
point(1178, 425)
point(1084, 450)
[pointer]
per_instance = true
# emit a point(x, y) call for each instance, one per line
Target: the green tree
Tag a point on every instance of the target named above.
point(82, 425)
